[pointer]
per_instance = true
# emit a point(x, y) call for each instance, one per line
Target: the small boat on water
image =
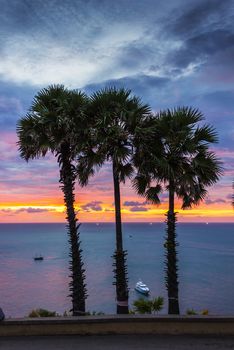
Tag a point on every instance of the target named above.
point(38, 258)
point(142, 288)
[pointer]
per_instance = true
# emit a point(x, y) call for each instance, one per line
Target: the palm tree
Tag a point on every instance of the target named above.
point(117, 115)
point(178, 159)
point(57, 122)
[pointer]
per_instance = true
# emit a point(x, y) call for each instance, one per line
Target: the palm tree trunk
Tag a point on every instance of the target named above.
point(77, 284)
point(171, 255)
point(121, 281)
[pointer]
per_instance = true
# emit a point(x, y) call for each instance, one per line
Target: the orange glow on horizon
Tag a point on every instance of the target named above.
point(56, 213)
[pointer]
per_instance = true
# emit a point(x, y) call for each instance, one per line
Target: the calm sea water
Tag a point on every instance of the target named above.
point(206, 265)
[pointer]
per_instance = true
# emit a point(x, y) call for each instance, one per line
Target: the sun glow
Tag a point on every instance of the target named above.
point(105, 213)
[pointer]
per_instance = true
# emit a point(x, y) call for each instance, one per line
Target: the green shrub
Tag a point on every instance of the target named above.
point(131, 312)
point(94, 313)
point(157, 304)
point(42, 313)
point(191, 312)
point(205, 312)
point(33, 314)
point(143, 306)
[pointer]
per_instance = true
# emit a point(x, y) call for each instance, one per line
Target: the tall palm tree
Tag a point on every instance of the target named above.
point(178, 159)
point(57, 122)
point(117, 115)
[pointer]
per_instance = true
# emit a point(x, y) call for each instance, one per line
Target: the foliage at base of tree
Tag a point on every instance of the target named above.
point(46, 313)
point(143, 306)
point(191, 312)
point(42, 313)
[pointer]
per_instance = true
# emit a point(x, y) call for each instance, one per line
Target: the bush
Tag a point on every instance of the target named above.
point(205, 312)
point(94, 313)
point(46, 313)
point(67, 313)
point(131, 312)
point(42, 313)
point(143, 306)
point(157, 304)
point(33, 314)
point(191, 312)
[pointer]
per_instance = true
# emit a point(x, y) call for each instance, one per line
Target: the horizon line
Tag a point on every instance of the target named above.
point(124, 222)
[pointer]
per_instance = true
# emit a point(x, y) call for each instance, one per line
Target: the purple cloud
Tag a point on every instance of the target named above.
point(216, 201)
point(28, 210)
point(229, 196)
point(104, 188)
point(134, 203)
point(32, 210)
point(135, 209)
point(7, 212)
point(94, 205)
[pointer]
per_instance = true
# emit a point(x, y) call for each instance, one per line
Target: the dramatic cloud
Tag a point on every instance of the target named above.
point(137, 50)
point(196, 50)
point(200, 15)
point(169, 53)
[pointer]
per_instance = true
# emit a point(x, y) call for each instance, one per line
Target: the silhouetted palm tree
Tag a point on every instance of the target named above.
point(57, 122)
point(176, 158)
point(117, 115)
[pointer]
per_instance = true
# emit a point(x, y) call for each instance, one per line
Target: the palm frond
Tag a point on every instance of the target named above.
point(88, 164)
point(140, 183)
point(205, 134)
point(152, 194)
point(33, 141)
point(125, 171)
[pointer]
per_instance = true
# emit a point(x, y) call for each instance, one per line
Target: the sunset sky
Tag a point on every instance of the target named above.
point(170, 53)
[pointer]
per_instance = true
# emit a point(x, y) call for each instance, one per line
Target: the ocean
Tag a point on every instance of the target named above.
point(206, 265)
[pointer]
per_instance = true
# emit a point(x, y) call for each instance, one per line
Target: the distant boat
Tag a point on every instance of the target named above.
point(142, 288)
point(38, 258)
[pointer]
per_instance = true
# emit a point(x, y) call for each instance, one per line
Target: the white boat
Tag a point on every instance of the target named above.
point(142, 288)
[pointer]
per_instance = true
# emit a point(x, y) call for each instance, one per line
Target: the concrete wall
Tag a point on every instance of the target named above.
point(126, 324)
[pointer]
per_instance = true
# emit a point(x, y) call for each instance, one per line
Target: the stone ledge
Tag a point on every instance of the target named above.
point(119, 324)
